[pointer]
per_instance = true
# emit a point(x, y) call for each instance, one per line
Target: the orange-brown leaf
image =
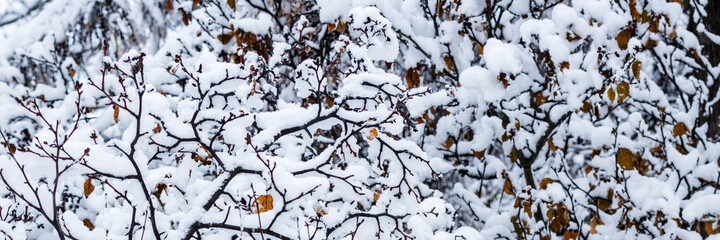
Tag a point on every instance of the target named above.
point(448, 143)
point(544, 183)
point(593, 224)
point(564, 65)
point(231, 3)
point(508, 187)
point(449, 63)
point(412, 78)
point(88, 224)
point(225, 38)
point(116, 113)
point(540, 99)
point(157, 128)
point(373, 134)
point(551, 145)
point(680, 129)
point(12, 148)
point(88, 188)
point(169, 4)
point(571, 235)
point(479, 155)
point(262, 204)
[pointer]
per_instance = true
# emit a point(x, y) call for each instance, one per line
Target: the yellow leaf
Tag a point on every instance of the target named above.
point(373, 134)
point(623, 38)
point(88, 188)
point(376, 194)
point(262, 204)
point(636, 66)
point(116, 113)
point(611, 94)
point(625, 158)
point(88, 224)
point(680, 129)
point(623, 91)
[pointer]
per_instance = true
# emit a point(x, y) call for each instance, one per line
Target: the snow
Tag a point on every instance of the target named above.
point(180, 119)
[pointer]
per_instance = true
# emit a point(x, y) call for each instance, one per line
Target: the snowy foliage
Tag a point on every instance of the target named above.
point(359, 119)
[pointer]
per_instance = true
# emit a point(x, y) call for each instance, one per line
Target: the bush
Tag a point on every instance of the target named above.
point(178, 119)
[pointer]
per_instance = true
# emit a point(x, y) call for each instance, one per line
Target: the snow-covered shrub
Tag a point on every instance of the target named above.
point(363, 119)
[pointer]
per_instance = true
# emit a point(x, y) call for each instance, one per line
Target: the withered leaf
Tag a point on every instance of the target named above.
point(540, 99)
point(412, 78)
point(636, 66)
point(373, 134)
point(262, 204)
point(508, 187)
point(479, 155)
point(88, 224)
point(544, 183)
point(226, 37)
point(169, 4)
point(12, 148)
point(611, 94)
point(448, 143)
point(116, 113)
point(623, 91)
point(593, 224)
point(680, 129)
point(623, 38)
point(88, 188)
point(551, 145)
point(625, 158)
point(449, 63)
point(231, 3)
